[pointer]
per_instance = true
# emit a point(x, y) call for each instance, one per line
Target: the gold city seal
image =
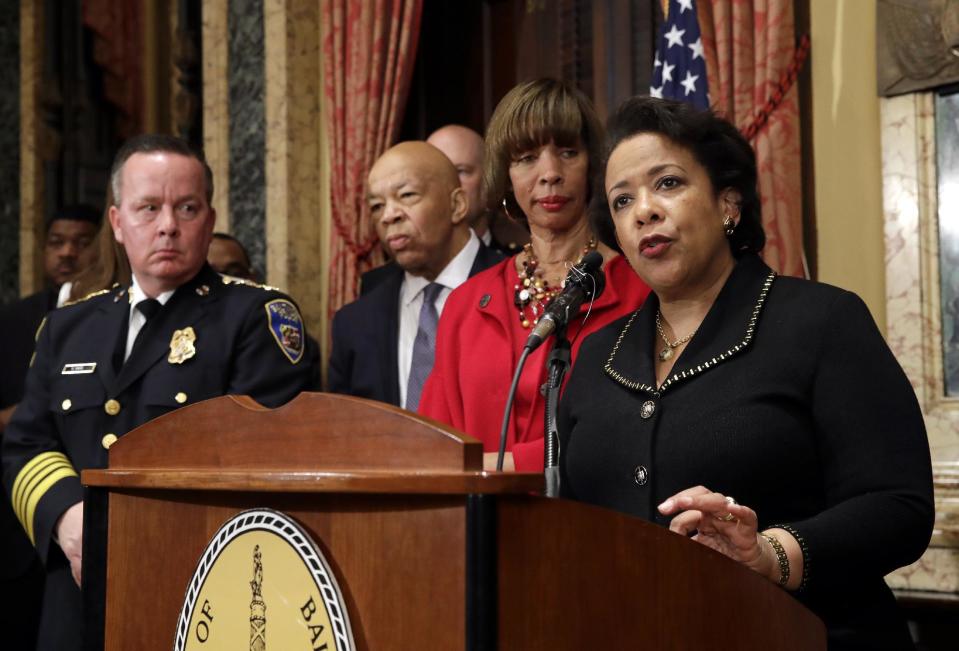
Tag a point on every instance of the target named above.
point(290, 579)
point(182, 345)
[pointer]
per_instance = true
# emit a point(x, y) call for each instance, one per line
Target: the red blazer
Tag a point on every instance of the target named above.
point(478, 345)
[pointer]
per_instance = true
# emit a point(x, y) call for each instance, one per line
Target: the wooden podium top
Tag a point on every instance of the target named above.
point(318, 442)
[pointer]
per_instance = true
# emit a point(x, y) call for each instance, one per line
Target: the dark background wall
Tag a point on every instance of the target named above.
point(10, 146)
point(472, 52)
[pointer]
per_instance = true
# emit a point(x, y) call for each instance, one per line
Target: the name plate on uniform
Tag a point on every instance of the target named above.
point(262, 583)
point(78, 369)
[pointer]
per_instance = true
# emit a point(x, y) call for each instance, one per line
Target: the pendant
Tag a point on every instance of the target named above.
point(665, 354)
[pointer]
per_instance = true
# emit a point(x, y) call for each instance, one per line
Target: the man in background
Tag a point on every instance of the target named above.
point(383, 342)
point(180, 333)
point(466, 150)
point(228, 257)
point(67, 250)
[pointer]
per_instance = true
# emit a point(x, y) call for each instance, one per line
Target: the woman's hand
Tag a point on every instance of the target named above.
point(721, 524)
point(490, 458)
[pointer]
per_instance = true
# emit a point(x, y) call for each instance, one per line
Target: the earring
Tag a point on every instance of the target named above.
point(729, 225)
point(506, 210)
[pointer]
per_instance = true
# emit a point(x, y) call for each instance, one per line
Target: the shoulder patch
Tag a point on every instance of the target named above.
point(286, 326)
point(99, 292)
point(233, 280)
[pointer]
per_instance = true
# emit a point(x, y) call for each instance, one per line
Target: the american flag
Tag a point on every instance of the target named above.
point(679, 70)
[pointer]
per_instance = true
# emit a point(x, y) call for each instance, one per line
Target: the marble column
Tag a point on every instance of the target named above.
point(216, 118)
point(297, 194)
point(35, 137)
point(247, 122)
point(263, 137)
point(914, 318)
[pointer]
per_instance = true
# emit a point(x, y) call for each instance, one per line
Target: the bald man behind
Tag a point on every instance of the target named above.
point(383, 342)
point(464, 148)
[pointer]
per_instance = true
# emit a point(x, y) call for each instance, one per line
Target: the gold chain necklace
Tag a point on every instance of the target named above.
point(533, 291)
point(667, 352)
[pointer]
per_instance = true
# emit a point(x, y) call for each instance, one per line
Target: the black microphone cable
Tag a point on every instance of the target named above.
point(576, 275)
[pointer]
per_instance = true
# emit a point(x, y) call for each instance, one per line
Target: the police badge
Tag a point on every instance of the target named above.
point(286, 326)
point(181, 345)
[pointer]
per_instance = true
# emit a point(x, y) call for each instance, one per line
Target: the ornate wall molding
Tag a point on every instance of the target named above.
point(913, 312)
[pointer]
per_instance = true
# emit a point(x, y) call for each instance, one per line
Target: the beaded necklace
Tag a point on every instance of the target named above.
point(533, 291)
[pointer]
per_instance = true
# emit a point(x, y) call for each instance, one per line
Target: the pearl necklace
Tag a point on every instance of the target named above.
point(533, 291)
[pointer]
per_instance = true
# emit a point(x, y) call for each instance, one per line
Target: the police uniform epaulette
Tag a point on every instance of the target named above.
point(234, 280)
point(99, 292)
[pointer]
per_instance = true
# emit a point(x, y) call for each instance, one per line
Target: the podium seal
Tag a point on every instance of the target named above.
point(262, 583)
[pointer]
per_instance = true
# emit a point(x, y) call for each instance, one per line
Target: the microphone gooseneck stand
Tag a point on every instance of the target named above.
point(557, 365)
point(584, 282)
point(509, 407)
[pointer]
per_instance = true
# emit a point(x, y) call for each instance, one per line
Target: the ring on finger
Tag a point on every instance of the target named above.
point(731, 500)
point(729, 517)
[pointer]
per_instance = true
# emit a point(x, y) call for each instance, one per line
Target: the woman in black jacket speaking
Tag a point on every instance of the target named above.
point(763, 416)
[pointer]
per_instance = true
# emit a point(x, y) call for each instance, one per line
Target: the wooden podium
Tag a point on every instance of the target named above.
point(430, 551)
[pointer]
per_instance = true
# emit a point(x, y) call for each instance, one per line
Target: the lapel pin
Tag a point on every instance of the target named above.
point(485, 300)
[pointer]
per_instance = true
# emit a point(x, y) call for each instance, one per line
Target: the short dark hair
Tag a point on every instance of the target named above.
point(531, 115)
point(716, 144)
point(149, 143)
point(226, 237)
point(80, 212)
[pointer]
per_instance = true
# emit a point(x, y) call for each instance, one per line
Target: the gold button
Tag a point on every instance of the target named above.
point(180, 397)
point(66, 404)
point(112, 407)
point(108, 440)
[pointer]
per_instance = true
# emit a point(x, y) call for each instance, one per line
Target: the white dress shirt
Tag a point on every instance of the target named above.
point(63, 296)
point(137, 320)
point(411, 300)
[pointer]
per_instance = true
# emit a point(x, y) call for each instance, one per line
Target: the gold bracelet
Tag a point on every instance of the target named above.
point(781, 556)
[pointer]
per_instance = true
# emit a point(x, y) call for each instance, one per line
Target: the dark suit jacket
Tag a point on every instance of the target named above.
point(786, 398)
point(18, 323)
point(364, 357)
point(18, 327)
point(377, 276)
point(71, 414)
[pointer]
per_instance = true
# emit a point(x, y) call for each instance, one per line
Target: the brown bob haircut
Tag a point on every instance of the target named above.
point(531, 115)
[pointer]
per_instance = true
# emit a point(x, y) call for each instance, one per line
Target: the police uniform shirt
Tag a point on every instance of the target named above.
point(136, 318)
point(214, 336)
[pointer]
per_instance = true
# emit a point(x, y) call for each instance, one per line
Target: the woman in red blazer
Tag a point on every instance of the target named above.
point(541, 145)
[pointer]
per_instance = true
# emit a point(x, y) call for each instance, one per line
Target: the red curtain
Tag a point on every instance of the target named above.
point(117, 43)
point(750, 45)
point(369, 48)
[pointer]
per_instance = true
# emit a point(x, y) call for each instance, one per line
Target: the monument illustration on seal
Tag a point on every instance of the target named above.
point(257, 605)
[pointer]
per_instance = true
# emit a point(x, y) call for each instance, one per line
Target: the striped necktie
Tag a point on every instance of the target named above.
point(424, 346)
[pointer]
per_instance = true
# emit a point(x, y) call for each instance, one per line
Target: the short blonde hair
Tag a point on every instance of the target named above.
point(531, 115)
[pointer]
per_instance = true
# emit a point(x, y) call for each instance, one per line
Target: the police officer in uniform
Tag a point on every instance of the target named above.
point(179, 334)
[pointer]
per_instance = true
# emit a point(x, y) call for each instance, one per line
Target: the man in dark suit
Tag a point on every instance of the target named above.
point(179, 334)
point(466, 150)
point(67, 251)
point(382, 342)
point(464, 147)
point(227, 256)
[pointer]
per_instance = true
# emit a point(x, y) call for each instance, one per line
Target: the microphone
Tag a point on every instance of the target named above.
point(585, 282)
